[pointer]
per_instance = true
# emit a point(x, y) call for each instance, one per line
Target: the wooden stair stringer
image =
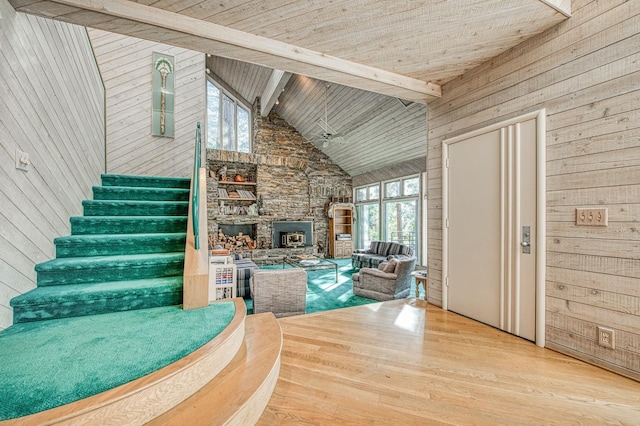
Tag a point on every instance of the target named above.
point(144, 399)
point(240, 393)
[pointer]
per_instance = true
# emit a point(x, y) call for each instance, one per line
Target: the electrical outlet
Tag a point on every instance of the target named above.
point(592, 217)
point(606, 337)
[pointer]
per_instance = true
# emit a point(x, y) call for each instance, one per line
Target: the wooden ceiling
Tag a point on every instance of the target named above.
point(371, 51)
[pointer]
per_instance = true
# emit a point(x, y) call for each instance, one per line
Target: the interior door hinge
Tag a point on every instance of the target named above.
point(446, 163)
point(446, 223)
point(446, 281)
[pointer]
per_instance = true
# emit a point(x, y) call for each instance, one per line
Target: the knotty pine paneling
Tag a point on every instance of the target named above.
point(51, 107)
point(584, 72)
point(125, 63)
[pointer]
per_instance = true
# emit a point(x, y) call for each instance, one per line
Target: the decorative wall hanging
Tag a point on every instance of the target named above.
point(162, 83)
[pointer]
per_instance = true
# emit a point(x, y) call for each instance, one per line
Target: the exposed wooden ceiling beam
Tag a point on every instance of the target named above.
point(357, 75)
point(274, 87)
point(562, 6)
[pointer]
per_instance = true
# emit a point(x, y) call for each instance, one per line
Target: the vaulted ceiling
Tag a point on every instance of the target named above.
point(371, 52)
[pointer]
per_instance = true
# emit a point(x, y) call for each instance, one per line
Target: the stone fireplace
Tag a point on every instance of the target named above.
point(290, 181)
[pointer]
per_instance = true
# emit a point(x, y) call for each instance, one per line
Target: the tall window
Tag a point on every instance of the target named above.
point(228, 121)
point(388, 211)
point(400, 221)
point(368, 215)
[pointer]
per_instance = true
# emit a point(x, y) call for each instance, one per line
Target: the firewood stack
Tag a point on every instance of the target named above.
point(236, 243)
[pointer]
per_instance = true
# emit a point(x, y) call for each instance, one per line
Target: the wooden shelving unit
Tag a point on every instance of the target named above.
point(341, 225)
point(231, 182)
point(250, 188)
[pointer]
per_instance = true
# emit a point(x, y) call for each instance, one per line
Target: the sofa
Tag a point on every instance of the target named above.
point(390, 280)
point(245, 270)
point(378, 252)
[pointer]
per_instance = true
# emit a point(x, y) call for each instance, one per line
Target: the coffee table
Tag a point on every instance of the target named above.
point(311, 263)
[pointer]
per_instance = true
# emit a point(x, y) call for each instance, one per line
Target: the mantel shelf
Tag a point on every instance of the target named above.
point(237, 199)
point(230, 182)
point(264, 217)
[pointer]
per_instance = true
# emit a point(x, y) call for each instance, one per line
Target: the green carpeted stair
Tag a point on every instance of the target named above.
point(110, 244)
point(83, 225)
point(125, 253)
point(134, 208)
point(132, 193)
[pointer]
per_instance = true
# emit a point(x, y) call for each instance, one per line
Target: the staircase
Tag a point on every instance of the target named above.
point(126, 252)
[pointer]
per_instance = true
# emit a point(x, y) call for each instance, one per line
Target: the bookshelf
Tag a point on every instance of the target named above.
point(245, 191)
point(341, 232)
point(222, 281)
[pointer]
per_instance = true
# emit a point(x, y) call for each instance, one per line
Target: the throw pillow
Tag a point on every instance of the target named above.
point(382, 265)
point(391, 266)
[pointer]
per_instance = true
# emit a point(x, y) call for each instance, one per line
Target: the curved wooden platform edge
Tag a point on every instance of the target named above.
point(241, 392)
point(143, 399)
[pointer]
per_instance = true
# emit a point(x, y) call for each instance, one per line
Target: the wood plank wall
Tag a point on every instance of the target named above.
point(51, 107)
point(585, 73)
point(125, 64)
point(406, 168)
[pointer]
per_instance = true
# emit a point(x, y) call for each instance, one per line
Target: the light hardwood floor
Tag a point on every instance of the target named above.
point(407, 363)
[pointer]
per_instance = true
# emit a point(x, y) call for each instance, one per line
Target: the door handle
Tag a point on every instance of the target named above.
point(526, 240)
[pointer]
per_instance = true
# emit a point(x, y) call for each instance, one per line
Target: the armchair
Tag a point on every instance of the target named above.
point(281, 291)
point(375, 283)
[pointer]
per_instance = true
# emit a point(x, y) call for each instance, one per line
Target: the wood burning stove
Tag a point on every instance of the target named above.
point(292, 234)
point(292, 239)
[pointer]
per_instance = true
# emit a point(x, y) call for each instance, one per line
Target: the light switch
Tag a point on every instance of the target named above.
point(592, 217)
point(22, 160)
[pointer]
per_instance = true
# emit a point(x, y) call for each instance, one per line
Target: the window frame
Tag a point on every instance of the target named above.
point(238, 103)
point(368, 198)
point(383, 201)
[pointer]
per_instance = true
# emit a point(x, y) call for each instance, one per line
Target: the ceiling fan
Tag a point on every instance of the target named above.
point(328, 134)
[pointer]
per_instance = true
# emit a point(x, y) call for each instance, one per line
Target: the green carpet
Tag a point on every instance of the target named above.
point(324, 294)
point(126, 252)
point(52, 363)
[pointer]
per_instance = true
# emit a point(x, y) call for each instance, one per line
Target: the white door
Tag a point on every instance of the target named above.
point(490, 226)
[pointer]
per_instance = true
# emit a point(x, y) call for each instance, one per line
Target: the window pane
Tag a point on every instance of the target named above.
point(228, 123)
point(411, 186)
point(392, 189)
point(213, 116)
point(244, 142)
point(401, 222)
point(361, 194)
point(374, 192)
point(368, 224)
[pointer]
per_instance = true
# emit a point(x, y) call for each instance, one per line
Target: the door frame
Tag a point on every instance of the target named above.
point(540, 242)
